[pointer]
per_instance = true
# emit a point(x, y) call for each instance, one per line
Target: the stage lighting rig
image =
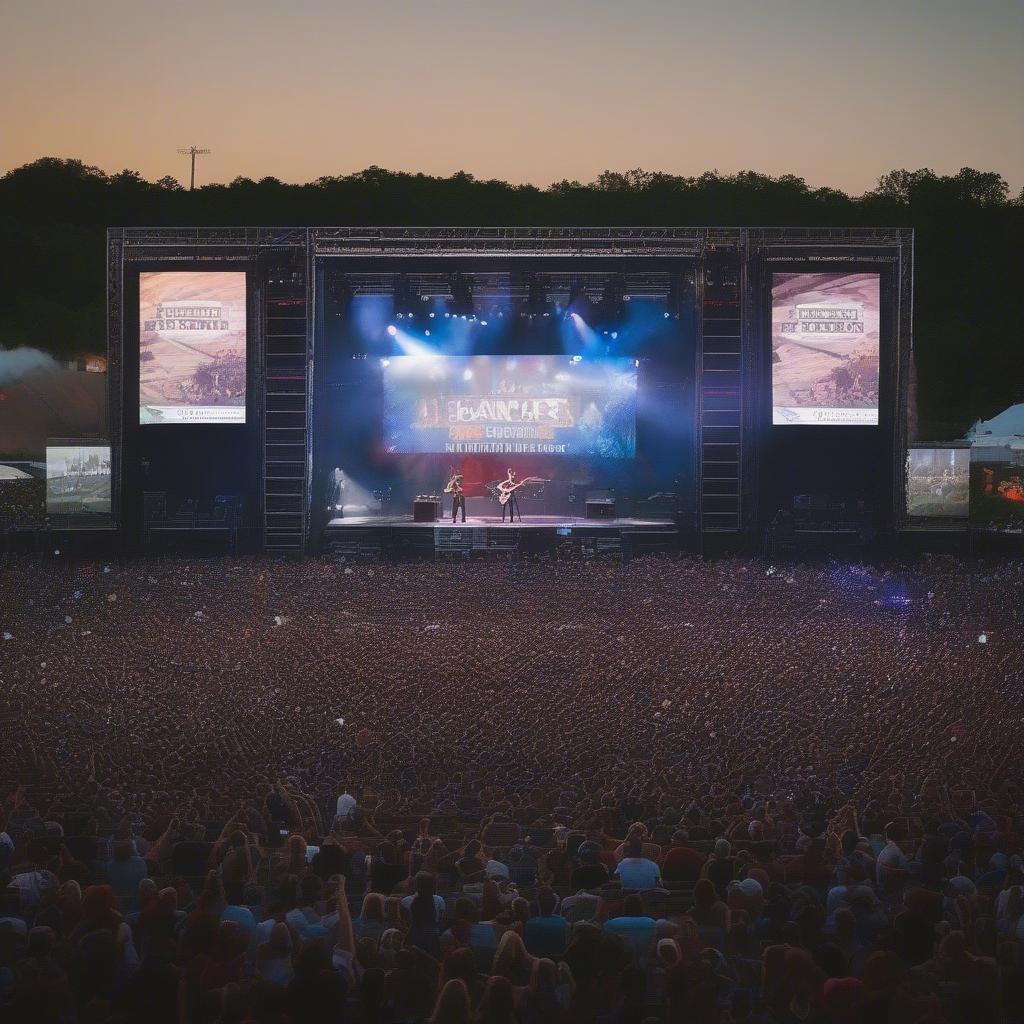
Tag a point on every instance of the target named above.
point(339, 295)
point(405, 298)
point(682, 292)
point(462, 295)
point(613, 300)
point(580, 302)
point(536, 296)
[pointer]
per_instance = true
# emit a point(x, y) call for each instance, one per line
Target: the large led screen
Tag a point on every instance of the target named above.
point(938, 482)
point(825, 349)
point(510, 405)
point(192, 333)
point(77, 479)
point(997, 482)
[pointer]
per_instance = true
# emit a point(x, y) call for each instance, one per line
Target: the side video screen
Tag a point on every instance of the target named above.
point(192, 347)
point(938, 482)
point(825, 339)
point(77, 479)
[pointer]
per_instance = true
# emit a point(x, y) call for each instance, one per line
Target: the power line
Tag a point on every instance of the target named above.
point(193, 151)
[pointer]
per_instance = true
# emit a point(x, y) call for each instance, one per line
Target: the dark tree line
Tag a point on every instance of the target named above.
point(969, 303)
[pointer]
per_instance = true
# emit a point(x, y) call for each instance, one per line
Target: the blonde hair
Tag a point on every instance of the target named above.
point(453, 1005)
point(372, 908)
point(510, 954)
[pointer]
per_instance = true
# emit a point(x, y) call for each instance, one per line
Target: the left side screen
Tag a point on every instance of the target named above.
point(78, 479)
point(192, 346)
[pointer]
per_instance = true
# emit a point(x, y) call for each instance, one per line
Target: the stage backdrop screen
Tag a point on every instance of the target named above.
point(77, 479)
point(510, 405)
point(825, 349)
point(192, 332)
point(997, 482)
point(938, 482)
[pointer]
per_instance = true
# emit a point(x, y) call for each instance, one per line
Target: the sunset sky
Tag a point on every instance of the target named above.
point(836, 92)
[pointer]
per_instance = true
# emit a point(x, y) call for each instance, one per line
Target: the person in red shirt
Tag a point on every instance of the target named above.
point(682, 863)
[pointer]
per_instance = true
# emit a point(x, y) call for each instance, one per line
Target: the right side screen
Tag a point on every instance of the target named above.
point(825, 348)
point(997, 483)
point(938, 482)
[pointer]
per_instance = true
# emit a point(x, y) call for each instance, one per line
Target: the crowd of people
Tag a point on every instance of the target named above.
point(677, 790)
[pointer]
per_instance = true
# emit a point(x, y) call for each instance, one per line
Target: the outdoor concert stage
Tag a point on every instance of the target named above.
point(481, 535)
point(707, 378)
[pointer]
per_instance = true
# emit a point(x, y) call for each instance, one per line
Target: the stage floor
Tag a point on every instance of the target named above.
point(399, 536)
point(495, 523)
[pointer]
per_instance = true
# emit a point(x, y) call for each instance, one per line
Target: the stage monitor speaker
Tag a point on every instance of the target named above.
point(426, 509)
point(601, 508)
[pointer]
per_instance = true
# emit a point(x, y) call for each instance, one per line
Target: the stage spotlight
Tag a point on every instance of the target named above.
point(576, 359)
point(404, 297)
point(682, 291)
point(615, 334)
point(578, 305)
point(385, 362)
point(462, 295)
point(536, 296)
point(467, 374)
point(613, 299)
point(392, 330)
point(431, 315)
point(483, 323)
point(339, 295)
point(426, 334)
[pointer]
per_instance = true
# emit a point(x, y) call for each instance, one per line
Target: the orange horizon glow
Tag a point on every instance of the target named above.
point(835, 92)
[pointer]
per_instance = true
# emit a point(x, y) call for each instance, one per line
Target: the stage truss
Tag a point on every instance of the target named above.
point(732, 267)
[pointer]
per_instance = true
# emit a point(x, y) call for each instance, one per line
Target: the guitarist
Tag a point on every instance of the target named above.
point(454, 488)
point(508, 486)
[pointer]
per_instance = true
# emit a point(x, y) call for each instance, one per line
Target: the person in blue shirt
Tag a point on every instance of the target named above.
point(636, 929)
point(548, 933)
point(636, 871)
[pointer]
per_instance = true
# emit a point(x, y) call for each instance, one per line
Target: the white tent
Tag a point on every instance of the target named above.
point(1007, 424)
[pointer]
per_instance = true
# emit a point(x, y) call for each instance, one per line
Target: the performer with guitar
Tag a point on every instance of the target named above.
point(454, 488)
point(507, 494)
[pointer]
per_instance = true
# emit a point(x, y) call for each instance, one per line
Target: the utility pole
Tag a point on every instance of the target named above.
point(193, 151)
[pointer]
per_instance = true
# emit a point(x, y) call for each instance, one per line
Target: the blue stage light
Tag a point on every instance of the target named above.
point(392, 329)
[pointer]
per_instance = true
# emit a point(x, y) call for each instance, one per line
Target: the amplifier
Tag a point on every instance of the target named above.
point(601, 508)
point(426, 509)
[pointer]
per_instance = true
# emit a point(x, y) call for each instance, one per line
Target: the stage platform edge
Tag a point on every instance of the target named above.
point(400, 536)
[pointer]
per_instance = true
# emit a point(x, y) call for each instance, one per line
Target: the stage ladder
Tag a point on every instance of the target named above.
point(721, 392)
point(286, 412)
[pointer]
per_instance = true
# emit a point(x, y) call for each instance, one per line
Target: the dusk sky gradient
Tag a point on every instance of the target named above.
point(836, 92)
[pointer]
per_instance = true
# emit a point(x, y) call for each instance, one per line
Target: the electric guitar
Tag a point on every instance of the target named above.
point(505, 489)
point(454, 485)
